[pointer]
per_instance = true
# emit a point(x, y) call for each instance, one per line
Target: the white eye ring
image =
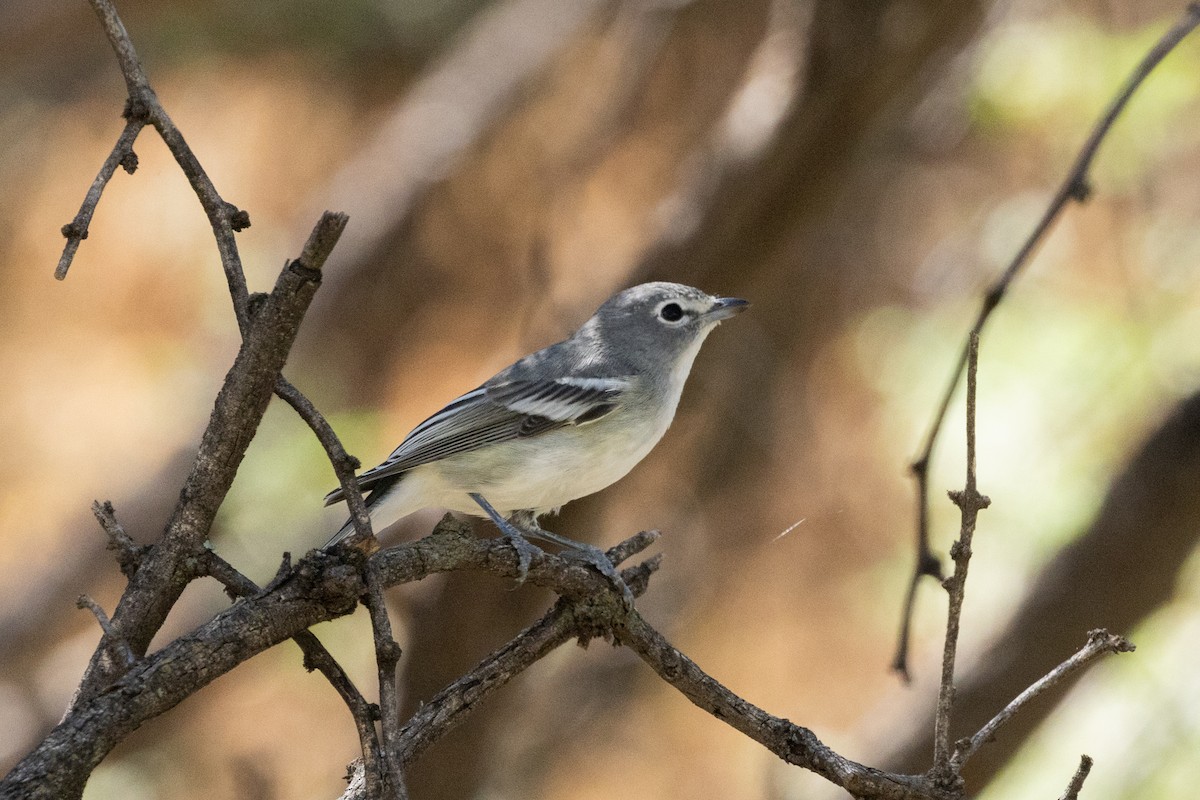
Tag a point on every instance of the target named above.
point(671, 313)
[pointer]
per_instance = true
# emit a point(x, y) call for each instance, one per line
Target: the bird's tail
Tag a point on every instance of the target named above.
point(343, 532)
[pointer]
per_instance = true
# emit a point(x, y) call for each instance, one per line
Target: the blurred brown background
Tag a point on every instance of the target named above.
point(858, 169)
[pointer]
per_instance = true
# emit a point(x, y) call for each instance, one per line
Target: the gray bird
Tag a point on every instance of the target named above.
point(559, 424)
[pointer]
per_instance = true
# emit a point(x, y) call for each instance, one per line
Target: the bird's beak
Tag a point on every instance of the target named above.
point(726, 307)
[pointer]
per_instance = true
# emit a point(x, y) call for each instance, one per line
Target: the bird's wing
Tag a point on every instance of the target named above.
point(498, 412)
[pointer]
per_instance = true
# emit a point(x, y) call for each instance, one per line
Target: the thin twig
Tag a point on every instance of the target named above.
point(970, 502)
point(343, 463)
point(792, 743)
point(317, 657)
point(77, 229)
point(1099, 643)
point(117, 643)
point(1076, 784)
point(387, 656)
point(1074, 187)
point(316, 250)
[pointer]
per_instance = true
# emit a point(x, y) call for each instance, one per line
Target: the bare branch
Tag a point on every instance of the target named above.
point(144, 107)
point(970, 502)
point(238, 409)
point(794, 744)
point(318, 658)
point(1076, 784)
point(343, 463)
point(1074, 187)
point(320, 243)
point(565, 621)
point(321, 587)
point(1099, 643)
point(77, 229)
point(387, 656)
point(131, 66)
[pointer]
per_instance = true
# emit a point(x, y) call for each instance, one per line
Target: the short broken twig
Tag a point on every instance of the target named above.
point(118, 644)
point(1076, 784)
point(129, 554)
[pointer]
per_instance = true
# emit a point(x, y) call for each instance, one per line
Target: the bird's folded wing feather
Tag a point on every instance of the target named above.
point(495, 413)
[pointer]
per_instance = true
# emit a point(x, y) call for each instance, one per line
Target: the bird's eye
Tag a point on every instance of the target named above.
point(671, 312)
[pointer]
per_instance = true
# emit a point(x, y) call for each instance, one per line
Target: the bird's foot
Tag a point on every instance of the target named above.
point(527, 526)
point(580, 551)
point(524, 550)
point(595, 557)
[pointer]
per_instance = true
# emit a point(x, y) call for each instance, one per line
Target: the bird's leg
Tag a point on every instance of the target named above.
point(525, 551)
point(586, 553)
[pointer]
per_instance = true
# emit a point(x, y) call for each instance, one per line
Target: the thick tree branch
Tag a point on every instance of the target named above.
point(169, 564)
point(321, 587)
point(1074, 187)
point(318, 589)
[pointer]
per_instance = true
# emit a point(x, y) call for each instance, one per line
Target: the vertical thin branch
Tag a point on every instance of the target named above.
point(970, 503)
point(387, 656)
point(1074, 187)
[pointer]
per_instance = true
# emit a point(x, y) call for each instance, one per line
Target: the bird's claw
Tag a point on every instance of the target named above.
point(525, 553)
point(573, 549)
point(596, 558)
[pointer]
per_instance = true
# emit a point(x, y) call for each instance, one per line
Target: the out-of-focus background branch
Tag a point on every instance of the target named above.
point(859, 170)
